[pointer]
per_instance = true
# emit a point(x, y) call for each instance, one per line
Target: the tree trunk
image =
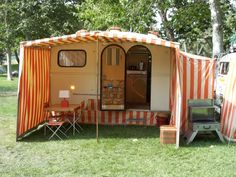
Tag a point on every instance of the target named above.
point(169, 32)
point(17, 57)
point(9, 73)
point(217, 33)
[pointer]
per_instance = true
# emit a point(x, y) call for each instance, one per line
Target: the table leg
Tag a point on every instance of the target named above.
point(74, 124)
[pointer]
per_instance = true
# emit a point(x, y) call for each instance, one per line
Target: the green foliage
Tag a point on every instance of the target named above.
point(233, 39)
point(187, 22)
point(33, 19)
point(229, 22)
point(130, 15)
point(55, 18)
point(190, 21)
point(183, 21)
point(9, 19)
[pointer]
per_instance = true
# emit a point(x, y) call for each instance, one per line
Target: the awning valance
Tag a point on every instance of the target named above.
point(105, 36)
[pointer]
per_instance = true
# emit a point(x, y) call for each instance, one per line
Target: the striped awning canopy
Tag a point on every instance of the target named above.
point(104, 36)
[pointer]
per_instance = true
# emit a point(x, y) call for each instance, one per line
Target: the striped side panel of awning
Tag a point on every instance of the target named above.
point(196, 76)
point(228, 115)
point(118, 117)
point(33, 89)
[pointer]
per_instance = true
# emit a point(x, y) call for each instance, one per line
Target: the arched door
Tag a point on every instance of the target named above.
point(113, 78)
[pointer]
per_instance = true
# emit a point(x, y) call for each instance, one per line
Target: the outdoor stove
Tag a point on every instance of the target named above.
point(202, 118)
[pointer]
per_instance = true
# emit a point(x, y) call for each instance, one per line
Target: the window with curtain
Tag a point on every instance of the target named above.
point(113, 55)
point(72, 58)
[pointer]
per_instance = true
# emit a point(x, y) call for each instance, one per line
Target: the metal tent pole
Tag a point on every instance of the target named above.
point(97, 62)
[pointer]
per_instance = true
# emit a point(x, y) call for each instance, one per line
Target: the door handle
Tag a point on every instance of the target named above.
point(207, 127)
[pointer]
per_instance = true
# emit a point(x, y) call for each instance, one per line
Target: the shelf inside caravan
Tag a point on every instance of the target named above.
point(136, 72)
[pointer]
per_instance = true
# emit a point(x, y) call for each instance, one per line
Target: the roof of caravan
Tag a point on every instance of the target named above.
point(230, 57)
point(104, 36)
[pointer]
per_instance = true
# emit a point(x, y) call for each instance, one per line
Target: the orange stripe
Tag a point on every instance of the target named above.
point(152, 118)
point(163, 43)
point(145, 115)
point(231, 119)
point(199, 75)
point(223, 115)
point(130, 114)
point(172, 45)
point(207, 68)
point(109, 117)
point(32, 93)
point(92, 104)
point(184, 92)
point(103, 117)
point(213, 73)
point(32, 109)
point(191, 79)
point(124, 117)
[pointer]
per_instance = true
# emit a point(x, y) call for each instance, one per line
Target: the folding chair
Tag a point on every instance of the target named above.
point(69, 117)
point(54, 122)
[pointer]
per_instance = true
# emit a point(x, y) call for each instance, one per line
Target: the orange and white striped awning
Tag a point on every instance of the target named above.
point(194, 79)
point(104, 36)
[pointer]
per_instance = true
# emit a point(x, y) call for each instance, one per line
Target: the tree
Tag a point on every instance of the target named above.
point(8, 30)
point(217, 30)
point(55, 18)
point(228, 22)
point(130, 15)
point(31, 19)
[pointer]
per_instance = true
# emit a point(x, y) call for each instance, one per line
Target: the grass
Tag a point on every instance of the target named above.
point(121, 151)
point(7, 88)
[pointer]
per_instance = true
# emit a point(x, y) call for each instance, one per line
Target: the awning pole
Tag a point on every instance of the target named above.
point(97, 62)
point(18, 91)
point(178, 118)
point(179, 101)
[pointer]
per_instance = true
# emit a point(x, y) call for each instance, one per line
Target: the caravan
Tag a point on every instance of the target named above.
point(117, 77)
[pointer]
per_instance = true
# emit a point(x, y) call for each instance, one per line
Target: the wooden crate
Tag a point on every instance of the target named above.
point(167, 134)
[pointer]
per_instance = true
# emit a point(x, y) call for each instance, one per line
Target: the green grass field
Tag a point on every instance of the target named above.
point(121, 151)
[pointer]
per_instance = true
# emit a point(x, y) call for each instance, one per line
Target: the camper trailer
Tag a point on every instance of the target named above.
point(222, 74)
point(116, 77)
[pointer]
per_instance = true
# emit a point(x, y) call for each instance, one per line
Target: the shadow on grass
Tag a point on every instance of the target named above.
point(105, 131)
point(203, 140)
point(124, 132)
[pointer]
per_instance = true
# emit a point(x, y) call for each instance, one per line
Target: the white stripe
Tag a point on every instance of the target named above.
point(181, 73)
point(113, 117)
point(139, 38)
point(158, 42)
point(203, 72)
point(195, 77)
point(167, 43)
point(188, 77)
point(120, 117)
point(210, 81)
point(148, 40)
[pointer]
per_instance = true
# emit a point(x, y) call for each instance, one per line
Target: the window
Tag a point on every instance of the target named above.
point(72, 58)
point(224, 67)
point(113, 55)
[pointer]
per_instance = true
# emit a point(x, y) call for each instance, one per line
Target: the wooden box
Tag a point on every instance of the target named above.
point(167, 134)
